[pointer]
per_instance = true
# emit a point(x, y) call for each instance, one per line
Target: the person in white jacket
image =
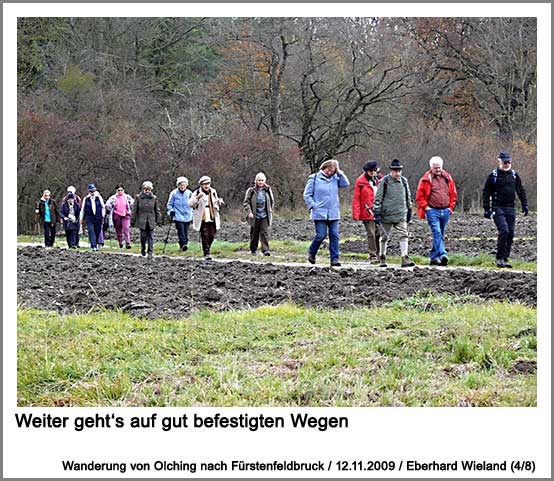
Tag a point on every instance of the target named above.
point(206, 204)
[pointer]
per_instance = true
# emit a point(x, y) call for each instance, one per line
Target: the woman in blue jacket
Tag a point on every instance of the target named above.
point(180, 211)
point(322, 198)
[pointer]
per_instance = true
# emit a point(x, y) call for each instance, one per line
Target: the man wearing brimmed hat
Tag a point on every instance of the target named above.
point(362, 206)
point(146, 215)
point(393, 210)
point(92, 214)
point(206, 204)
point(179, 210)
point(436, 197)
point(321, 195)
point(501, 186)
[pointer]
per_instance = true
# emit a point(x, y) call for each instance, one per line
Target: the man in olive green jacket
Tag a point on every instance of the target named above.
point(393, 210)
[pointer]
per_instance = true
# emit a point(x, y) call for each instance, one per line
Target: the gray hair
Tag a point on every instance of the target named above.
point(260, 175)
point(435, 160)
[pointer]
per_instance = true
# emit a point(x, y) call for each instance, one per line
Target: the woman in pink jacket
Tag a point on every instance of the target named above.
point(119, 207)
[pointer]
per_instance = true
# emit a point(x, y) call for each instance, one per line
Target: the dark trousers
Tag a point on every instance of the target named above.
point(505, 220)
point(207, 236)
point(182, 232)
point(71, 236)
point(94, 227)
point(372, 232)
point(49, 234)
point(147, 237)
point(259, 232)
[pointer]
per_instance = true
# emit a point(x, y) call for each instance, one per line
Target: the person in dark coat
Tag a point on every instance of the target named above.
point(146, 215)
point(258, 205)
point(70, 213)
point(501, 186)
point(48, 213)
point(92, 214)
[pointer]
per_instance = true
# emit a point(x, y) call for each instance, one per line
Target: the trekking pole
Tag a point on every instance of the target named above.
point(383, 231)
point(167, 236)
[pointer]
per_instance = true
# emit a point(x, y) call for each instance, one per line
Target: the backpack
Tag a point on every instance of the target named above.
point(495, 175)
point(385, 180)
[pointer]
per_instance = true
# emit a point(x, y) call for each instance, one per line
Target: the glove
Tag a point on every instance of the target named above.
point(525, 210)
point(377, 217)
point(487, 214)
point(409, 215)
point(171, 215)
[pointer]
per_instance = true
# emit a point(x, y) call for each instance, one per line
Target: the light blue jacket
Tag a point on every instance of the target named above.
point(179, 203)
point(322, 195)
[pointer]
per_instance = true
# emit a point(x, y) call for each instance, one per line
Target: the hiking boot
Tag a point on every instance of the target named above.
point(121, 246)
point(267, 253)
point(311, 259)
point(335, 263)
point(507, 265)
point(143, 252)
point(382, 261)
point(373, 260)
point(254, 254)
point(500, 263)
point(207, 257)
point(407, 262)
point(185, 248)
point(444, 261)
point(434, 262)
point(128, 246)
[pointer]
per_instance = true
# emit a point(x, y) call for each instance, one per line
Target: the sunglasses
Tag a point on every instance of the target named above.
point(506, 161)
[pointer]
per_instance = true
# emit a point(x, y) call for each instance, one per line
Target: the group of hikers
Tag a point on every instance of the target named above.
point(381, 202)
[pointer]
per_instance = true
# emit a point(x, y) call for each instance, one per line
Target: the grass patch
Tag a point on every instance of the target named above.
point(423, 351)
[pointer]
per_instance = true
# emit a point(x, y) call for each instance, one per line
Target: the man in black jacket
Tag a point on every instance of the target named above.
point(501, 186)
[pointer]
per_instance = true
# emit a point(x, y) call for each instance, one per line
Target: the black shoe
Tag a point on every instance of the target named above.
point(121, 246)
point(185, 248)
point(143, 253)
point(311, 259)
point(507, 265)
point(335, 263)
point(128, 246)
point(382, 261)
point(208, 257)
point(500, 263)
point(267, 253)
point(435, 262)
point(444, 261)
point(253, 254)
point(407, 262)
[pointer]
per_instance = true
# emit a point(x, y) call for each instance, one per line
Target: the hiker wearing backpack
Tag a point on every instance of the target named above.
point(48, 213)
point(393, 210)
point(362, 206)
point(179, 210)
point(92, 214)
point(321, 195)
point(501, 186)
point(436, 197)
point(258, 206)
point(206, 219)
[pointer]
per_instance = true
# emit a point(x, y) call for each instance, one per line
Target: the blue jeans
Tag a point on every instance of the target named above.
point(182, 232)
point(438, 219)
point(505, 220)
point(321, 227)
point(94, 228)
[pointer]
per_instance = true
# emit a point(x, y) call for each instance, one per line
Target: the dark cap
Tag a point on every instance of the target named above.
point(370, 165)
point(395, 165)
point(504, 156)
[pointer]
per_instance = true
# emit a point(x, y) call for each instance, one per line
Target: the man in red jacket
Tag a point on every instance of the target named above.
point(362, 206)
point(436, 197)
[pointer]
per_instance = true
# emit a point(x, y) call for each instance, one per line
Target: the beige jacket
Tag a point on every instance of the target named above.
point(199, 205)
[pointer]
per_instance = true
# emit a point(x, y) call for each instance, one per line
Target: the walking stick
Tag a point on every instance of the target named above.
point(167, 236)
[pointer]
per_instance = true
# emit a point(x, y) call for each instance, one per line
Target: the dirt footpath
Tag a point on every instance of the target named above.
point(68, 281)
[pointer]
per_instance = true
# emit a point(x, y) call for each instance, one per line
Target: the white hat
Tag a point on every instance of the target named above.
point(182, 179)
point(204, 180)
point(71, 189)
point(147, 185)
